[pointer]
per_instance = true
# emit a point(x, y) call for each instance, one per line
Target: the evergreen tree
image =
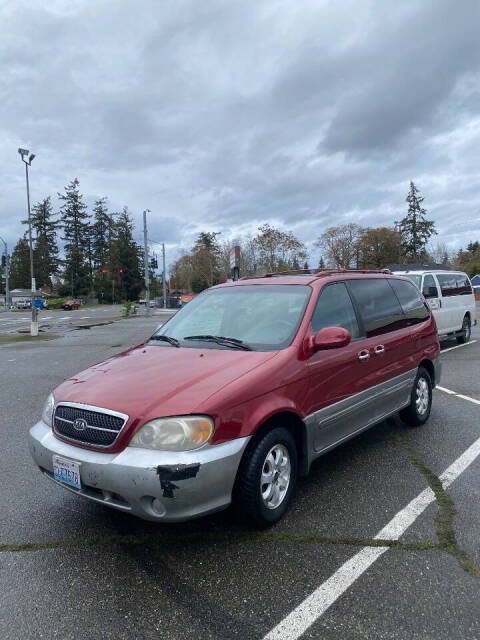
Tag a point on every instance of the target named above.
point(473, 247)
point(124, 259)
point(206, 261)
point(321, 263)
point(20, 265)
point(414, 227)
point(45, 257)
point(101, 233)
point(74, 221)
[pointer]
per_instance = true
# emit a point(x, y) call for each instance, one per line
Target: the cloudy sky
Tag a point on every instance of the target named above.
point(225, 114)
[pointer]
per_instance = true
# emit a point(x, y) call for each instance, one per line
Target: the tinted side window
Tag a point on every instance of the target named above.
point(464, 287)
point(335, 309)
point(413, 306)
point(429, 289)
point(448, 283)
point(379, 306)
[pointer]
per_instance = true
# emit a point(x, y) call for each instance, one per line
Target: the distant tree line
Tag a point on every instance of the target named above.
point(347, 246)
point(100, 256)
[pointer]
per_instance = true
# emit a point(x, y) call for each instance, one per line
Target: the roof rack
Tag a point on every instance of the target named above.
point(326, 272)
point(314, 273)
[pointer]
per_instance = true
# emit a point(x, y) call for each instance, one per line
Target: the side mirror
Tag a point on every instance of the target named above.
point(330, 338)
point(431, 292)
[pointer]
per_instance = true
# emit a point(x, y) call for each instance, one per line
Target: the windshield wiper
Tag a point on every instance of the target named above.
point(230, 342)
point(173, 341)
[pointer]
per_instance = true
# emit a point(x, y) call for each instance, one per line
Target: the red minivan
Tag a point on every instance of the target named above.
point(239, 392)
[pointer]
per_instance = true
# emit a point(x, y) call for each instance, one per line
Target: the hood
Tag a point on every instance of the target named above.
point(153, 381)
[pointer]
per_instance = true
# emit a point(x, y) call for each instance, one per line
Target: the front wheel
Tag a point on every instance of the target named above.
point(267, 477)
point(466, 332)
point(418, 411)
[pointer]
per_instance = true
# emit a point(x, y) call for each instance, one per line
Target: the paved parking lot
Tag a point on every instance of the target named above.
point(382, 540)
point(60, 321)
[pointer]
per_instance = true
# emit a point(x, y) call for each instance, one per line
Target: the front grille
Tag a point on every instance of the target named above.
point(102, 426)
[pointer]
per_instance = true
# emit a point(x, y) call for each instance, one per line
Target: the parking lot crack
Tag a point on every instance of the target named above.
point(215, 537)
point(444, 519)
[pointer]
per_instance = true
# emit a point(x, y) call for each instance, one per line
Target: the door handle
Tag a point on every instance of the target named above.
point(379, 349)
point(364, 354)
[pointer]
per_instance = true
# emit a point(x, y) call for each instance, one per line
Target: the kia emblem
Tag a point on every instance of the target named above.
point(79, 424)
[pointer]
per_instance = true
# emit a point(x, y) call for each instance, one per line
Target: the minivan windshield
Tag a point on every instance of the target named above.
point(259, 317)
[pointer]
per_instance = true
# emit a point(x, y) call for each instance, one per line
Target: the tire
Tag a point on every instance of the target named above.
point(265, 504)
point(466, 332)
point(418, 411)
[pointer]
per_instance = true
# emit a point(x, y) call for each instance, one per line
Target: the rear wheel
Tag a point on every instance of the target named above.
point(418, 411)
point(466, 332)
point(267, 477)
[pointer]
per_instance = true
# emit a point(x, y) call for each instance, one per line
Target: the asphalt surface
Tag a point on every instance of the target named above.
point(73, 569)
point(60, 321)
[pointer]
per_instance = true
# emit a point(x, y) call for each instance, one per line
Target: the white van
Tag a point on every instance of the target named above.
point(449, 295)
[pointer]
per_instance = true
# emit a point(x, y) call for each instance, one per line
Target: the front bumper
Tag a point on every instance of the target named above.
point(154, 485)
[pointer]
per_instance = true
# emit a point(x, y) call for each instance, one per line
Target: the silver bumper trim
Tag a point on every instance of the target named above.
point(154, 485)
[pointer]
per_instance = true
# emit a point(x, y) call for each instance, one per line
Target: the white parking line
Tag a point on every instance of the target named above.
point(85, 317)
point(458, 395)
point(315, 605)
point(465, 344)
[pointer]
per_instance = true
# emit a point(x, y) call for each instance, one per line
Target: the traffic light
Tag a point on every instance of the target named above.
point(120, 271)
point(104, 272)
point(4, 260)
point(153, 263)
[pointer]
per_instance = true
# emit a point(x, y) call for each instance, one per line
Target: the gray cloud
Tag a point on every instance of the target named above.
point(222, 116)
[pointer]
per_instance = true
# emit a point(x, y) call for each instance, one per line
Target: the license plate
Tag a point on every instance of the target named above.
point(66, 471)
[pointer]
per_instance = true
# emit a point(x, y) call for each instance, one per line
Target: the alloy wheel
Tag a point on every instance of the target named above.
point(422, 396)
point(275, 478)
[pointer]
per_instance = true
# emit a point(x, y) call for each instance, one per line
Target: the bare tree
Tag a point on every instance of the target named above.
point(340, 245)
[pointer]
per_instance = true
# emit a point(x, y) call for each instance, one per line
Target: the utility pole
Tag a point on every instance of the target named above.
point(164, 278)
point(145, 262)
point(34, 321)
point(7, 275)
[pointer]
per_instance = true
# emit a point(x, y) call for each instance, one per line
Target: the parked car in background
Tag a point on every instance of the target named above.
point(70, 305)
point(23, 304)
point(239, 392)
point(450, 296)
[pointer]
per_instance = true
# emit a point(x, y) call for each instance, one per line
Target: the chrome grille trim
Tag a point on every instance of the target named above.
point(90, 426)
point(88, 407)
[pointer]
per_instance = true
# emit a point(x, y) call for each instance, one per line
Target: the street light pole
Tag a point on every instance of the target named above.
point(7, 275)
point(34, 322)
point(145, 262)
point(164, 278)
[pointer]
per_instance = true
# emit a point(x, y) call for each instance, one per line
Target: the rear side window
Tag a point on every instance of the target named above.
point(429, 288)
point(448, 283)
point(334, 308)
point(464, 288)
point(412, 305)
point(378, 305)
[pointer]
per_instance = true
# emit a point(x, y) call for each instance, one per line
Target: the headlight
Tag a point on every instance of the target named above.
point(47, 413)
point(174, 434)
